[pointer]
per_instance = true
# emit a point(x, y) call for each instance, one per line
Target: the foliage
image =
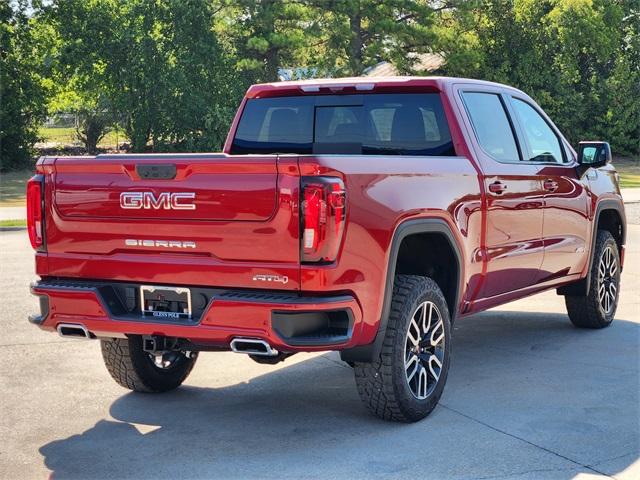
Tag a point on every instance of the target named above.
point(155, 63)
point(93, 125)
point(170, 73)
point(265, 35)
point(572, 56)
point(94, 113)
point(76, 91)
point(23, 87)
point(329, 37)
point(361, 33)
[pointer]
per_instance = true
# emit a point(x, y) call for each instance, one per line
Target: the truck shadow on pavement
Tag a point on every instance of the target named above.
point(527, 394)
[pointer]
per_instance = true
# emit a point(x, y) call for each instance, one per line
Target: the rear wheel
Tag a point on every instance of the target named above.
point(597, 309)
point(141, 371)
point(406, 381)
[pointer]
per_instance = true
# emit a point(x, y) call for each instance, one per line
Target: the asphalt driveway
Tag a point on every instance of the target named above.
point(528, 397)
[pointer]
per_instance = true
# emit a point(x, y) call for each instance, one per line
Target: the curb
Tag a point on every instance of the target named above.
point(12, 229)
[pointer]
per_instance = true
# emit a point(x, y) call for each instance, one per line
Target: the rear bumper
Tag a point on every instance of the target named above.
point(286, 321)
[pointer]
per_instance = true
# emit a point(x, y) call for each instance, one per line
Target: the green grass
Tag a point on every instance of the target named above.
point(66, 136)
point(628, 180)
point(13, 188)
point(13, 223)
point(62, 135)
point(629, 171)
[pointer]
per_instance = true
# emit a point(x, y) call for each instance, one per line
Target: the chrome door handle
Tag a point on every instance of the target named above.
point(497, 187)
point(550, 185)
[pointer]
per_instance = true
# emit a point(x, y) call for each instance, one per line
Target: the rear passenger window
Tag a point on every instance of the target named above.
point(382, 119)
point(491, 125)
point(371, 124)
point(543, 142)
point(271, 125)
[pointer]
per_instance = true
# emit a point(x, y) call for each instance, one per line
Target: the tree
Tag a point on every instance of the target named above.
point(325, 37)
point(265, 35)
point(77, 94)
point(622, 119)
point(158, 65)
point(361, 33)
point(23, 90)
point(572, 56)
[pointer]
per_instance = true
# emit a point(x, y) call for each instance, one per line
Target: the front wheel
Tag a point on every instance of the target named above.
point(597, 309)
point(141, 371)
point(406, 381)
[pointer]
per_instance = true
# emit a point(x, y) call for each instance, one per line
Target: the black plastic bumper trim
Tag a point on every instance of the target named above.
point(38, 319)
point(313, 328)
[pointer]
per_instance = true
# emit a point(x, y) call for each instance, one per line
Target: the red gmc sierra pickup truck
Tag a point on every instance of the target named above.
point(359, 215)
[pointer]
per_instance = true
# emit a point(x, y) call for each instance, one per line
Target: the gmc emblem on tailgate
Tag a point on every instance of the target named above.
point(166, 201)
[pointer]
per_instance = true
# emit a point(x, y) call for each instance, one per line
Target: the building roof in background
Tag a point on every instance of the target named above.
point(425, 62)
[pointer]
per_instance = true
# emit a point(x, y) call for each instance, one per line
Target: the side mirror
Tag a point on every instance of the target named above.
point(594, 154)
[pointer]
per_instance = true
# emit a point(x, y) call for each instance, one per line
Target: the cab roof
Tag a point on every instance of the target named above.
point(351, 85)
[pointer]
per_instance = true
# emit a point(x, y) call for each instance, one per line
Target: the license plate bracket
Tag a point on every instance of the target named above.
point(165, 302)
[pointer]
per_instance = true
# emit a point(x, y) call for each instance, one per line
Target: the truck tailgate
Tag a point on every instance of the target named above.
point(201, 219)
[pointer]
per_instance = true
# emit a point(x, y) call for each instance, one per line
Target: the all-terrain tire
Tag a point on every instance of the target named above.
point(383, 384)
point(133, 368)
point(592, 311)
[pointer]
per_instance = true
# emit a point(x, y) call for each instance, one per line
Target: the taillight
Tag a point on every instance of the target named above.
point(323, 218)
point(35, 222)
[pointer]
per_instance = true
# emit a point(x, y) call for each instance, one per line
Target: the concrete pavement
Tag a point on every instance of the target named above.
point(630, 195)
point(528, 397)
point(13, 213)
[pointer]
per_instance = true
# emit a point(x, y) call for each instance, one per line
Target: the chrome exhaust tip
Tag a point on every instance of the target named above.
point(253, 346)
point(73, 330)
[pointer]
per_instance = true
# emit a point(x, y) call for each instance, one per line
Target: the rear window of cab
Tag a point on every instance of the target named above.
point(371, 124)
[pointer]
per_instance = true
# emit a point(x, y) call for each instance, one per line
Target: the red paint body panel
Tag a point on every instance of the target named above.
point(259, 235)
point(513, 241)
point(221, 185)
point(222, 321)
point(567, 227)
point(378, 202)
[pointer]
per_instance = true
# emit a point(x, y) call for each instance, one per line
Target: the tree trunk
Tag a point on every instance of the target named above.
point(355, 43)
point(271, 68)
point(91, 127)
point(138, 135)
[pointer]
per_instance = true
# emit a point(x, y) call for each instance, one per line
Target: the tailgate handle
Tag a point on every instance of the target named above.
point(156, 172)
